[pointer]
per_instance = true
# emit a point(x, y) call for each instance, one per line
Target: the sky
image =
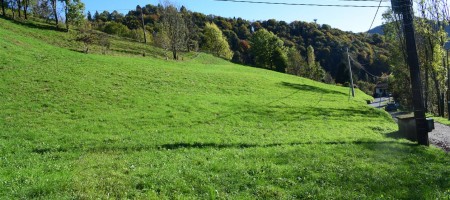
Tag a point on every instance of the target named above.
point(347, 19)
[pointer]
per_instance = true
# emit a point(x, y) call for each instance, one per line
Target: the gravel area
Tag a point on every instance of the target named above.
point(440, 136)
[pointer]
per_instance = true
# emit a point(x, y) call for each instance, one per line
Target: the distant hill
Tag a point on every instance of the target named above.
point(379, 30)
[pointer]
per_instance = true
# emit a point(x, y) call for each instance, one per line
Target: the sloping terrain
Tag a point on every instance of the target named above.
point(92, 126)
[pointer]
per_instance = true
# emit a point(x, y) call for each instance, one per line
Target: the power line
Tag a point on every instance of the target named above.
point(301, 4)
point(385, 1)
point(376, 13)
point(360, 66)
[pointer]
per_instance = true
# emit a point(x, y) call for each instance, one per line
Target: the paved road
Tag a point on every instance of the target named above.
point(379, 102)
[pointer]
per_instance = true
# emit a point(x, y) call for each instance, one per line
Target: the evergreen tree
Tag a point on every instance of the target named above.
point(89, 16)
point(96, 16)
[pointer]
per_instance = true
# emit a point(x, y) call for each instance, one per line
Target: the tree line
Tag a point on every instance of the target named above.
point(299, 48)
point(72, 10)
point(431, 38)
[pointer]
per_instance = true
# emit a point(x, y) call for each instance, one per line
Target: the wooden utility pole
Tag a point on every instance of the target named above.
point(405, 8)
point(351, 76)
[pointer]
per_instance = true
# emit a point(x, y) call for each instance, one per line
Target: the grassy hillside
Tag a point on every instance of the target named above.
point(76, 126)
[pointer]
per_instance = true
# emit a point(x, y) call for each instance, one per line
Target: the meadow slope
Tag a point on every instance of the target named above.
point(77, 126)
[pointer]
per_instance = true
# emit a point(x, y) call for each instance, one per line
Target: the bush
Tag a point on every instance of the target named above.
point(115, 28)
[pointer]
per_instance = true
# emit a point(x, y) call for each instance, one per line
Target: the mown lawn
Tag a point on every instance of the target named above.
point(76, 126)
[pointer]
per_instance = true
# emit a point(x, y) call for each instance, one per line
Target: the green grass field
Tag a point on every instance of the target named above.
point(77, 126)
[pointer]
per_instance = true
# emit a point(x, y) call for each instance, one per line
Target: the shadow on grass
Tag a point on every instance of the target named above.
point(36, 25)
point(398, 135)
point(196, 145)
point(311, 88)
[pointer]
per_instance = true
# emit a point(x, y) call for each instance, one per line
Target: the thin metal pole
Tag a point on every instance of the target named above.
point(350, 71)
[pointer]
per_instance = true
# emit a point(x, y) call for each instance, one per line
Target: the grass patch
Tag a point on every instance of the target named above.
point(93, 126)
point(441, 120)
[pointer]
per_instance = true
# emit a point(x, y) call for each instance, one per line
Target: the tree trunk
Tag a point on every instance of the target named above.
point(174, 52)
point(66, 11)
point(25, 8)
point(3, 8)
point(19, 8)
point(143, 26)
point(13, 12)
point(55, 14)
point(438, 91)
point(442, 105)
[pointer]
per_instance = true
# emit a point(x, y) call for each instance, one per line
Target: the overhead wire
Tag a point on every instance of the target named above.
point(376, 14)
point(302, 4)
point(360, 66)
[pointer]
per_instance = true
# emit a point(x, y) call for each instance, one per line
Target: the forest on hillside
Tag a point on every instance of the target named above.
point(307, 49)
point(300, 48)
point(329, 45)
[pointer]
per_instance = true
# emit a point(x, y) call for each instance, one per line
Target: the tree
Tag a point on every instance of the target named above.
point(243, 32)
point(96, 16)
point(3, 8)
point(431, 38)
point(268, 50)
point(87, 36)
point(54, 11)
point(74, 10)
point(41, 9)
point(26, 4)
point(313, 70)
point(215, 42)
point(280, 60)
point(401, 81)
point(192, 36)
point(162, 40)
point(89, 16)
point(140, 13)
point(232, 38)
point(115, 28)
point(295, 62)
point(13, 4)
point(311, 57)
point(175, 28)
point(19, 7)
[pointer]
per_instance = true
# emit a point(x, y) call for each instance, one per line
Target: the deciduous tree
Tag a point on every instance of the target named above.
point(215, 42)
point(267, 49)
point(175, 28)
point(73, 10)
